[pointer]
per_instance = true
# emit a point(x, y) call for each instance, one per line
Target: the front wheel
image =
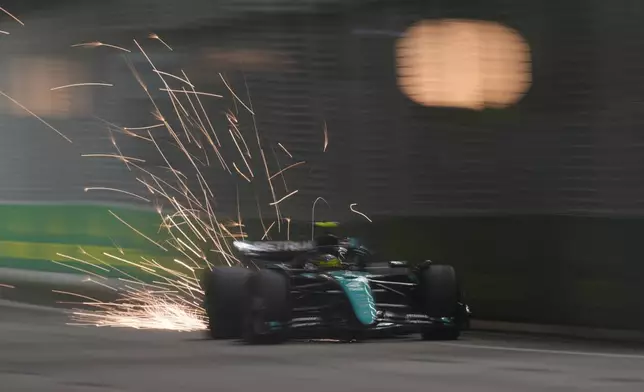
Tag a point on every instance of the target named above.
point(440, 295)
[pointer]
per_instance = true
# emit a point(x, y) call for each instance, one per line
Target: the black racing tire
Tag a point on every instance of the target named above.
point(268, 309)
point(440, 294)
point(224, 289)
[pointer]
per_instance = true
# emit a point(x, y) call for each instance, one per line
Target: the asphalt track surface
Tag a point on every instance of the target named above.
point(38, 352)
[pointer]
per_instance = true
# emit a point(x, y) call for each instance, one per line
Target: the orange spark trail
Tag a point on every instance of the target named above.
point(174, 77)
point(358, 212)
point(81, 85)
point(96, 44)
point(193, 92)
point(144, 128)
point(34, 114)
point(120, 157)
point(313, 215)
point(283, 198)
point(100, 188)
point(154, 36)
point(138, 232)
point(326, 138)
point(286, 168)
point(11, 15)
point(235, 95)
point(285, 150)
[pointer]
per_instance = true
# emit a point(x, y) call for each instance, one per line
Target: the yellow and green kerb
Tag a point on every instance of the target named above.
point(70, 238)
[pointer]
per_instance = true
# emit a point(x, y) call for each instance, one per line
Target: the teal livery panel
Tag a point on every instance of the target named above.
point(356, 286)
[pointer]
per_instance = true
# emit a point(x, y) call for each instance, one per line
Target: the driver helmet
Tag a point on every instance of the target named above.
point(326, 261)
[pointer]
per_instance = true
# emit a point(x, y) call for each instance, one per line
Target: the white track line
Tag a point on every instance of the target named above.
point(543, 351)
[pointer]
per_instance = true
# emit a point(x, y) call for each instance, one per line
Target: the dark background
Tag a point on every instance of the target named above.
point(538, 205)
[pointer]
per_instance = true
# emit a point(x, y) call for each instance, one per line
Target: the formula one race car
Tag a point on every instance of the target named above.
point(329, 288)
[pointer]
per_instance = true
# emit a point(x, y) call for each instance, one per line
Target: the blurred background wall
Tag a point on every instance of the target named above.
point(571, 145)
point(512, 148)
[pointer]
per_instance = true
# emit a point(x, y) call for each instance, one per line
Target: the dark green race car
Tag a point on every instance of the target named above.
point(330, 288)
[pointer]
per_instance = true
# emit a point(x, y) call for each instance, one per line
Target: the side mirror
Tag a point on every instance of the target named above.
point(398, 264)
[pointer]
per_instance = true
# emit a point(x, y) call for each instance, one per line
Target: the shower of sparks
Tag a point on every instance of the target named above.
point(167, 294)
point(358, 212)
point(159, 315)
point(163, 291)
point(154, 36)
point(96, 44)
point(23, 107)
point(11, 15)
point(81, 85)
point(150, 309)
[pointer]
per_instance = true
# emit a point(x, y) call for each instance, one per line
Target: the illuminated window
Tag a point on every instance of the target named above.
point(464, 64)
point(31, 79)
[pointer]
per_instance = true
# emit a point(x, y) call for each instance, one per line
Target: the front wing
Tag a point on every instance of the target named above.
point(386, 320)
point(323, 308)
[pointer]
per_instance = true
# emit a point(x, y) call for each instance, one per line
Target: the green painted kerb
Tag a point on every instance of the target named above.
point(33, 235)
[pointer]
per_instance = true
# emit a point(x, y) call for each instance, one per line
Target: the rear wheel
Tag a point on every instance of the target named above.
point(268, 308)
point(224, 289)
point(440, 294)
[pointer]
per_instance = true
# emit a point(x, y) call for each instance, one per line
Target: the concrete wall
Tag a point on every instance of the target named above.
point(570, 146)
